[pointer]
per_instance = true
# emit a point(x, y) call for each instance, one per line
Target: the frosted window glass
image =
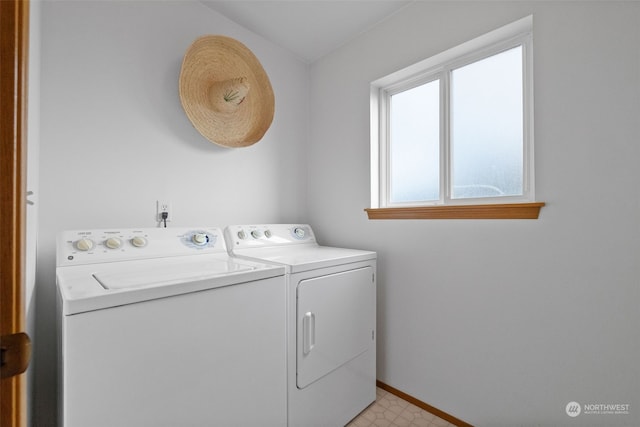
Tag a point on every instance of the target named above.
point(415, 144)
point(487, 127)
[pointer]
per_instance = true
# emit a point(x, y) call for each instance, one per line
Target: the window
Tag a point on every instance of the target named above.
point(457, 128)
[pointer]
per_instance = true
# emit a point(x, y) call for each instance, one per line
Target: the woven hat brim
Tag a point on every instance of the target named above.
point(213, 59)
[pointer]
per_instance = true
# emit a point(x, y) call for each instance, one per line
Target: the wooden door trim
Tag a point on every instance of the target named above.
point(14, 41)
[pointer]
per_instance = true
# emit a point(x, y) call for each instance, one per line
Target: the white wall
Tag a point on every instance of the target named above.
point(115, 138)
point(502, 323)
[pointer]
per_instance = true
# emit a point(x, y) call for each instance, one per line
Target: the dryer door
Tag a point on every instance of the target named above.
point(335, 321)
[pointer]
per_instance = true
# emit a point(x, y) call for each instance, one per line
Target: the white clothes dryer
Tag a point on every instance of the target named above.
point(331, 313)
point(161, 327)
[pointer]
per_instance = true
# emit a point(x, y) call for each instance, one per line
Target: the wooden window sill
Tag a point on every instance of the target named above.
point(493, 211)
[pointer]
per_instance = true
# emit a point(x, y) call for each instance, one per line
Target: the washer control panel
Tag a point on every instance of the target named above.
point(108, 245)
point(251, 236)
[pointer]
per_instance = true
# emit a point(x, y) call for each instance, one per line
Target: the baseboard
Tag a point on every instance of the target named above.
point(420, 404)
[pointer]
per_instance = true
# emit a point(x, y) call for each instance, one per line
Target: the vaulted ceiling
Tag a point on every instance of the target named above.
point(308, 28)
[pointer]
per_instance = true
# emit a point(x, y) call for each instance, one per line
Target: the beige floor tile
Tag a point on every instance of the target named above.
point(439, 422)
point(382, 423)
point(369, 415)
point(401, 422)
point(396, 409)
point(391, 411)
point(420, 422)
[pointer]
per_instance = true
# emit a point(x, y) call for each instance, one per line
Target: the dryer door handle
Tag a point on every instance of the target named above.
point(308, 332)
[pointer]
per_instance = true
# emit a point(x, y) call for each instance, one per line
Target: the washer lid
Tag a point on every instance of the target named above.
point(91, 287)
point(136, 276)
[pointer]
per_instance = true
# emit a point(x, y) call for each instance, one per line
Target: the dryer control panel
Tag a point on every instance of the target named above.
point(255, 236)
point(108, 245)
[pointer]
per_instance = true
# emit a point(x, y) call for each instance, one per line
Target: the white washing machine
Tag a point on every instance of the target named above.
point(161, 327)
point(331, 313)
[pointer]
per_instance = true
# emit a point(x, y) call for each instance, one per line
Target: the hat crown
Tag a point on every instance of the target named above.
point(227, 95)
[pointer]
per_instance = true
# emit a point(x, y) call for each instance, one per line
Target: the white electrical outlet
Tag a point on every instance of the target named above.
point(164, 206)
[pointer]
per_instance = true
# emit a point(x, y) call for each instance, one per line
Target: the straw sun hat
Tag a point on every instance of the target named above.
point(225, 92)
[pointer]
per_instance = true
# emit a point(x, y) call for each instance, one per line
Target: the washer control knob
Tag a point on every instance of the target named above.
point(139, 242)
point(113, 243)
point(256, 234)
point(267, 233)
point(84, 244)
point(242, 235)
point(200, 239)
point(299, 232)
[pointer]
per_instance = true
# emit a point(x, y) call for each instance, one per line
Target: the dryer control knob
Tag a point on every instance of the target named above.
point(299, 232)
point(200, 239)
point(139, 242)
point(113, 243)
point(267, 233)
point(242, 235)
point(84, 244)
point(256, 234)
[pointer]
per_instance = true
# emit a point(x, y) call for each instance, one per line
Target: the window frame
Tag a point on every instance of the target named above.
point(440, 67)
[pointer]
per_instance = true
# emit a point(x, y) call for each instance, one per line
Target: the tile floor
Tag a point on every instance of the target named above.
point(390, 411)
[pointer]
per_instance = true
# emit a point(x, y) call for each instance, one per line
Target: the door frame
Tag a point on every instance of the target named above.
point(14, 42)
